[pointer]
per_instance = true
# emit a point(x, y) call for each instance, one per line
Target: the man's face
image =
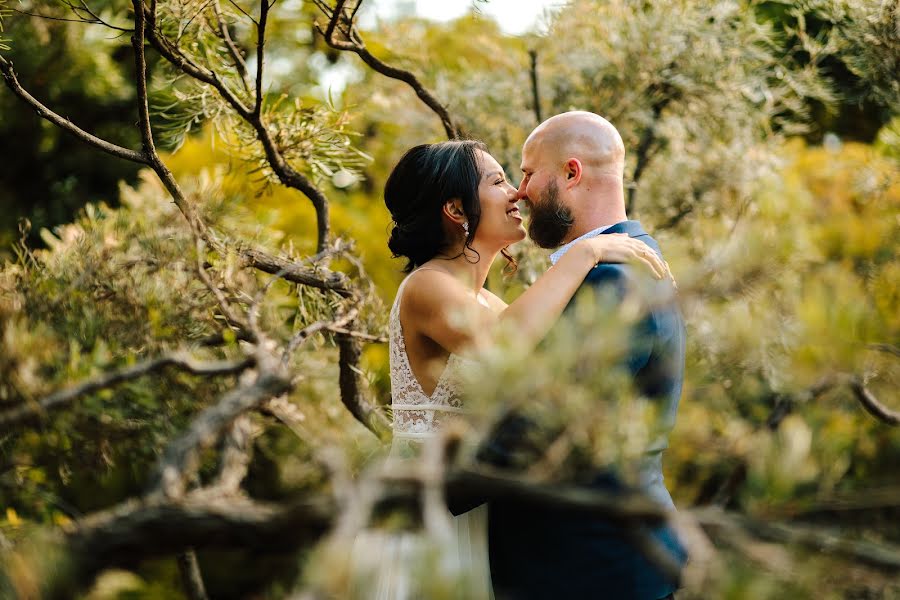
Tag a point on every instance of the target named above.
point(551, 219)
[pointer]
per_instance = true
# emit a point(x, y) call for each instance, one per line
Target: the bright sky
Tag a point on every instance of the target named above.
point(515, 16)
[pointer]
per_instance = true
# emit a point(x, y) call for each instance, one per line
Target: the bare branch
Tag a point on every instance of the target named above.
point(94, 17)
point(351, 386)
point(191, 577)
point(292, 271)
point(535, 89)
point(336, 14)
point(235, 456)
point(880, 555)
point(245, 13)
point(12, 82)
point(94, 20)
point(140, 68)
point(181, 458)
point(872, 405)
point(368, 337)
point(354, 43)
point(260, 55)
point(61, 398)
point(648, 144)
point(489, 483)
point(145, 528)
point(239, 64)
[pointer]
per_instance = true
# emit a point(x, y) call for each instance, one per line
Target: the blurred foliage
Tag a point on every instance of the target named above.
point(786, 254)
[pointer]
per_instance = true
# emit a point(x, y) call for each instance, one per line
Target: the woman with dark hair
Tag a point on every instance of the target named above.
point(454, 212)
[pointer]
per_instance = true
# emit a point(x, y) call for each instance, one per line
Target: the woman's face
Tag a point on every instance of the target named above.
point(500, 219)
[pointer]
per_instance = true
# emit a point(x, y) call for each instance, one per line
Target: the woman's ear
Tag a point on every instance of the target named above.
point(453, 210)
point(573, 172)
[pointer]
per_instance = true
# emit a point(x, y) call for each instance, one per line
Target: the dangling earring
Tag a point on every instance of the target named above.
point(465, 226)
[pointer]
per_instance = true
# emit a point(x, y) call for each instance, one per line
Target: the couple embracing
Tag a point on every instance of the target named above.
point(454, 212)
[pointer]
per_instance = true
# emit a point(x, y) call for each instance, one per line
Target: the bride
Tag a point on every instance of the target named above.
point(454, 211)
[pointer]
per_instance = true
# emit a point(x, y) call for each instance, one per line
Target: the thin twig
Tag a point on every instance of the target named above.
point(535, 89)
point(245, 13)
point(354, 43)
point(239, 64)
point(879, 555)
point(260, 55)
point(368, 337)
point(9, 76)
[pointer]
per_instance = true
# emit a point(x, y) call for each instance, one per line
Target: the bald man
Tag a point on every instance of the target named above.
point(573, 167)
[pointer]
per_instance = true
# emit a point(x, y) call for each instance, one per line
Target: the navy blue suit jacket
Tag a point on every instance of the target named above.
point(543, 552)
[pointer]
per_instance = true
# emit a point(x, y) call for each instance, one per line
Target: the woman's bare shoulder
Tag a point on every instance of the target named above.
point(430, 288)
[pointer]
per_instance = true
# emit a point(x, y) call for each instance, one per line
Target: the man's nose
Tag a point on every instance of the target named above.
point(520, 192)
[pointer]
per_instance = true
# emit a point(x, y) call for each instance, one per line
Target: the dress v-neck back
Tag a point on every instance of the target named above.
point(417, 414)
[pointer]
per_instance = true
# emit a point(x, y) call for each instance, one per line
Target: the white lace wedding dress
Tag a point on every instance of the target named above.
point(417, 417)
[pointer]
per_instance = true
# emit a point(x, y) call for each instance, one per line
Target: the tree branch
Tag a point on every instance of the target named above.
point(318, 278)
point(239, 64)
point(12, 82)
point(260, 55)
point(145, 528)
point(235, 457)
point(354, 44)
point(872, 405)
point(191, 577)
point(286, 174)
point(647, 145)
point(140, 70)
point(880, 555)
point(27, 412)
point(181, 458)
point(351, 386)
point(535, 89)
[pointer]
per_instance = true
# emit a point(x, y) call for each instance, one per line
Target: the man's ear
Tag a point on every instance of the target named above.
point(573, 172)
point(453, 210)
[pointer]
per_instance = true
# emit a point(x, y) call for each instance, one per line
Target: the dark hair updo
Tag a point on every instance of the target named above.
point(427, 177)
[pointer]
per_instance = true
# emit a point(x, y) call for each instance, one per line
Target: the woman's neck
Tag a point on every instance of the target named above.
point(461, 263)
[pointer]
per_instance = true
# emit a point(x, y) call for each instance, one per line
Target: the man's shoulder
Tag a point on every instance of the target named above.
point(607, 272)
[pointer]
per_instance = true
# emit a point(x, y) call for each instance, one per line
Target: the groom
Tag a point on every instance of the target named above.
point(573, 184)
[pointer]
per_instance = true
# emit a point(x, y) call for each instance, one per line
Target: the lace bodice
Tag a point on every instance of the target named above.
point(417, 415)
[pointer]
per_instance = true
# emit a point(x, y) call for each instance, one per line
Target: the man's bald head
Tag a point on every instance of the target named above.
point(583, 135)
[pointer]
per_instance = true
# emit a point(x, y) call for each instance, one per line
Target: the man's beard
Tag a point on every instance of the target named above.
point(550, 219)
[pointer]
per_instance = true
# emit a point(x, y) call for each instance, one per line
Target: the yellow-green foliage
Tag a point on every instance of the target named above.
point(800, 288)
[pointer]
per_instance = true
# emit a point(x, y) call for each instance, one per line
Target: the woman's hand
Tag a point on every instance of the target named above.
point(620, 248)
